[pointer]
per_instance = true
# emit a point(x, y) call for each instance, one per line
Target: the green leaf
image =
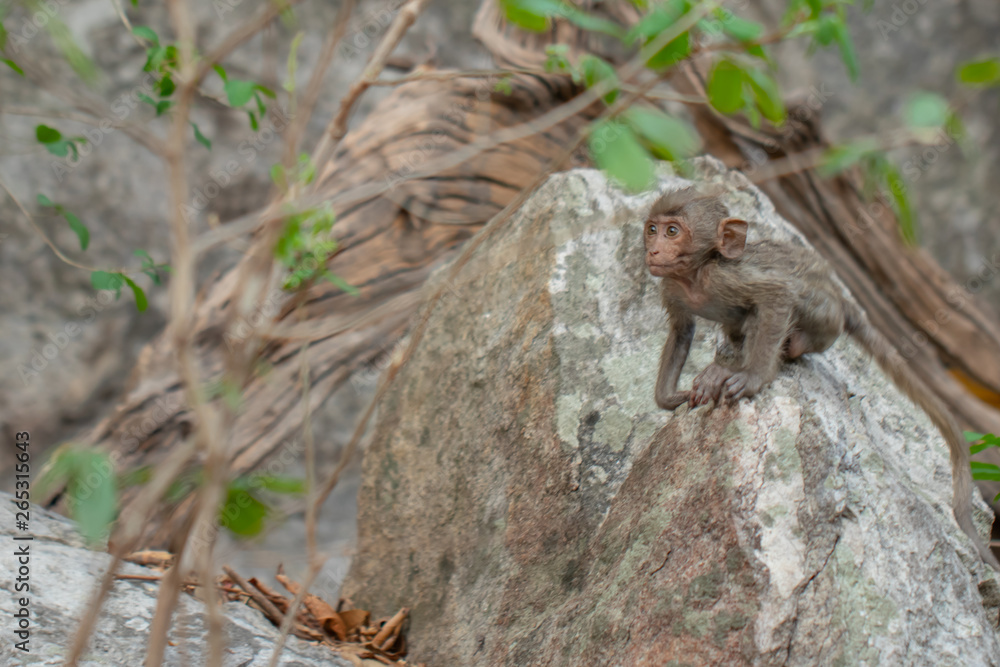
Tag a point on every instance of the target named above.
point(79, 228)
point(146, 34)
point(901, 198)
point(725, 86)
point(503, 86)
point(671, 54)
point(146, 98)
point(926, 110)
point(278, 484)
point(93, 494)
point(659, 19)
point(987, 476)
point(155, 55)
point(839, 158)
point(242, 513)
point(253, 121)
point(162, 106)
point(140, 297)
point(47, 135)
point(146, 259)
point(221, 71)
point(278, 176)
point(618, 152)
point(238, 92)
point(592, 23)
point(847, 53)
point(261, 109)
point(136, 477)
point(104, 280)
point(980, 72)
point(201, 138)
point(519, 15)
point(738, 28)
point(293, 63)
point(765, 91)
point(264, 90)
point(341, 284)
point(667, 137)
point(43, 200)
point(597, 69)
point(972, 436)
point(13, 65)
point(166, 86)
point(3, 31)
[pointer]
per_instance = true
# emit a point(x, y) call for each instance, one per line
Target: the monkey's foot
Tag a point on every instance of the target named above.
point(742, 385)
point(708, 385)
point(673, 401)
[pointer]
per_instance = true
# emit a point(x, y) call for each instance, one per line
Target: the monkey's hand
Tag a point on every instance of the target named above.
point(673, 401)
point(742, 385)
point(708, 385)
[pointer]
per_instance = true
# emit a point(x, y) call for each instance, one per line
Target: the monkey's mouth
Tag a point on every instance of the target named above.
point(659, 270)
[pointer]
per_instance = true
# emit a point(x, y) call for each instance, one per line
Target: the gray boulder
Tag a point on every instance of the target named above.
point(525, 497)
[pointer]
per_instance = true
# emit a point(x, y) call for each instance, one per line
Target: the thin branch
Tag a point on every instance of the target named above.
point(337, 128)
point(446, 75)
point(128, 24)
point(49, 242)
point(315, 84)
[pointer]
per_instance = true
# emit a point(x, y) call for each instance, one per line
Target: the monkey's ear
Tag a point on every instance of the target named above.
point(732, 237)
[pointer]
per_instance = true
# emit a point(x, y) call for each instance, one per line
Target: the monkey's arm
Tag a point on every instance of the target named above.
point(675, 352)
point(766, 326)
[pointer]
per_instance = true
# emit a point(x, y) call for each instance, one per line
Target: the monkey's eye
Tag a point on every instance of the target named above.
point(673, 230)
point(651, 230)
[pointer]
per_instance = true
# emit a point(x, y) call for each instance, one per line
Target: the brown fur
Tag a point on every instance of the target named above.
point(775, 301)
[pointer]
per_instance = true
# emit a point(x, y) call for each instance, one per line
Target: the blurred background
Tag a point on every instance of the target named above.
point(119, 190)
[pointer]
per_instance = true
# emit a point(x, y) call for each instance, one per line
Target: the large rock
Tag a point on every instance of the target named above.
point(526, 498)
point(62, 577)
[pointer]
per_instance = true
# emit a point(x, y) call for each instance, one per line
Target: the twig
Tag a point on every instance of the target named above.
point(390, 626)
point(447, 75)
point(315, 84)
point(128, 24)
point(42, 233)
point(337, 128)
point(276, 616)
point(293, 608)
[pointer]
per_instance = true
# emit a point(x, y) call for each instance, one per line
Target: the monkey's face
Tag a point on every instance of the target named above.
point(668, 245)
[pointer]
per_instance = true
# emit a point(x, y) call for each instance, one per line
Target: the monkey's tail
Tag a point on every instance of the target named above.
point(857, 325)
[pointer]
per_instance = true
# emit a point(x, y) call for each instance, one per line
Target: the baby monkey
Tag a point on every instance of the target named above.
point(775, 300)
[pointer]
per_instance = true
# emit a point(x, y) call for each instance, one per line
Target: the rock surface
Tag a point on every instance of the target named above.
point(524, 496)
point(63, 573)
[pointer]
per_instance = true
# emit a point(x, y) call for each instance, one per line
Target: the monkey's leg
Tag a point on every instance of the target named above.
point(766, 330)
point(675, 352)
